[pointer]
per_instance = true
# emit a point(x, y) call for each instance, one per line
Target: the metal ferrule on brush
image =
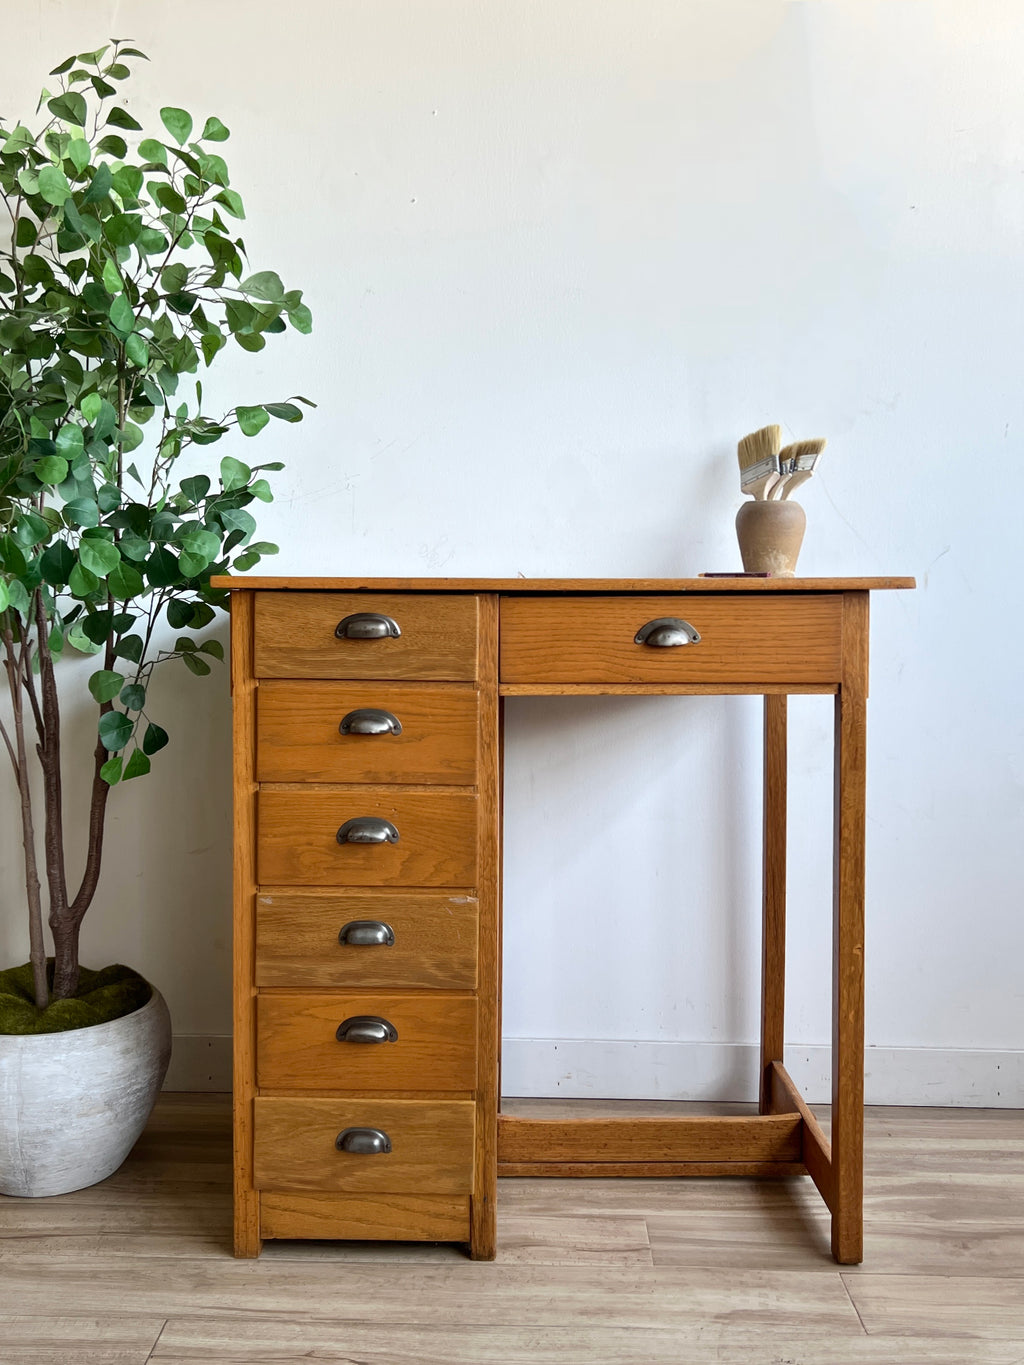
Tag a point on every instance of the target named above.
point(755, 473)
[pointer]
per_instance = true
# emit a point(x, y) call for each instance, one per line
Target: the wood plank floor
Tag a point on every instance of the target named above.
point(589, 1272)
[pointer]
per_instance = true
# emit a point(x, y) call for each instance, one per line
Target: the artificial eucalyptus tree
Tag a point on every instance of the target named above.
point(123, 273)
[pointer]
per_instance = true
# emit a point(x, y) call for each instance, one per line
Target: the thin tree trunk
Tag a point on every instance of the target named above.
point(49, 758)
point(37, 945)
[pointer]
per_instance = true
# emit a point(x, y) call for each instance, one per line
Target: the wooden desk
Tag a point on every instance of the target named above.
point(368, 769)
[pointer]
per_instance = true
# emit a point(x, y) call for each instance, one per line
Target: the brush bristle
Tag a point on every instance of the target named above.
point(759, 445)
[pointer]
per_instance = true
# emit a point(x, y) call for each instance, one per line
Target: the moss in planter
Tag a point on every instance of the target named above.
point(102, 996)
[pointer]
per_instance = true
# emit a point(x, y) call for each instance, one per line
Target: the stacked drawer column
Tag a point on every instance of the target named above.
point(366, 916)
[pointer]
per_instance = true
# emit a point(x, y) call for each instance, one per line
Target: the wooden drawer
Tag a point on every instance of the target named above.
point(297, 945)
point(294, 636)
point(379, 1217)
point(431, 1145)
point(791, 639)
point(434, 1047)
point(298, 735)
point(297, 839)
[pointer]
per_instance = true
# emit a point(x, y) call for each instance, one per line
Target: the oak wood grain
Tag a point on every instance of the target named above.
point(847, 1130)
point(296, 1046)
point(295, 637)
point(298, 845)
point(529, 586)
point(675, 1139)
point(432, 1145)
point(243, 695)
point(384, 1217)
point(815, 1150)
point(435, 939)
point(299, 740)
point(773, 895)
point(770, 640)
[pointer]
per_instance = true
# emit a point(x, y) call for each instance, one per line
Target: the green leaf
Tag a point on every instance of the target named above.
point(78, 153)
point(77, 638)
point(195, 665)
point(233, 473)
point(138, 765)
point(261, 489)
point(174, 277)
point(53, 185)
point(82, 583)
point(197, 487)
point(162, 568)
point(151, 150)
point(111, 277)
point(100, 557)
point(301, 318)
point(178, 123)
point(137, 351)
point(30, 529)
point(117, 71)
point(51, 469)
point(214, 648)
point(287, 412)
point(179, 613)
point(26, 234)
point(123, 229)
point(82, 512)
point(252, 420)
point(236, 519)
point(70, 107)
point(154, 739)
point(64, 66)
point(169, 198)
point(251, 342)
point(100, 185)
point(113, 145)
point(128, 182)
point(105, 685)
point(121, 315)
point(98, 626)
point(130, 647)
point(125, 582)
point(133, 52)
point(115, 730)
point(133, 697)
point(214, 131)
point(264, 285)
point(232, 202)
point(56, 563)
point(111, 771)
point(211, 343)
point(182, 303)
point(93, 58)
point(120, 118)
point(90, 407)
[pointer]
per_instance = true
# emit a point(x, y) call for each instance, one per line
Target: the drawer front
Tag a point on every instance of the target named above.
point(295, 636)
point(299, 733)
point(415, 939)
point(792, 639)
point(349, 1217)
point(297, 841)
point(431, 1044)
point(431, 1145)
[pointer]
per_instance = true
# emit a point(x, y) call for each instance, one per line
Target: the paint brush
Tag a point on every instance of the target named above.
point(759, 461)
point(797, 463)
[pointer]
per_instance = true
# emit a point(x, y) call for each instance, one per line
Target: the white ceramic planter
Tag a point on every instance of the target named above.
point(73, 1104)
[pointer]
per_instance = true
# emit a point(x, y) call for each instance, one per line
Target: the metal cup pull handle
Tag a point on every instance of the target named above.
point(666, 632)
point(363, 1141)
point(368, 720)
point(367, 829)
point(367, 625)
point(366, 1028)
point(366, 933)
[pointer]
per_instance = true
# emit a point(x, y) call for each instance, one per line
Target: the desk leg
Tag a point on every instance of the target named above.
point(848, 938)
point(773, 931)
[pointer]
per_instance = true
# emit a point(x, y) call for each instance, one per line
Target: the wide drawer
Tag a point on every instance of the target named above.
point(297, 842)
point(365, 732)
point(431, 1145)
point(762, 639)
point(310, 939)
point(429, 1041)
point(295, 636)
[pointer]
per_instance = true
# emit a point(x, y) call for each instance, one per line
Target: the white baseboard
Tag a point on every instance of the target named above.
point(588, 1068)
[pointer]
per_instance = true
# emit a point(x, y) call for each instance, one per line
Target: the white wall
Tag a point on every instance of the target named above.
point(561, 254)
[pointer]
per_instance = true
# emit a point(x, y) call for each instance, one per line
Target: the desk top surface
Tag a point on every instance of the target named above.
point(528, 586)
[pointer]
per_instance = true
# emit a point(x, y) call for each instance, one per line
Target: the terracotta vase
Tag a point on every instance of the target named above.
point(770, 535)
